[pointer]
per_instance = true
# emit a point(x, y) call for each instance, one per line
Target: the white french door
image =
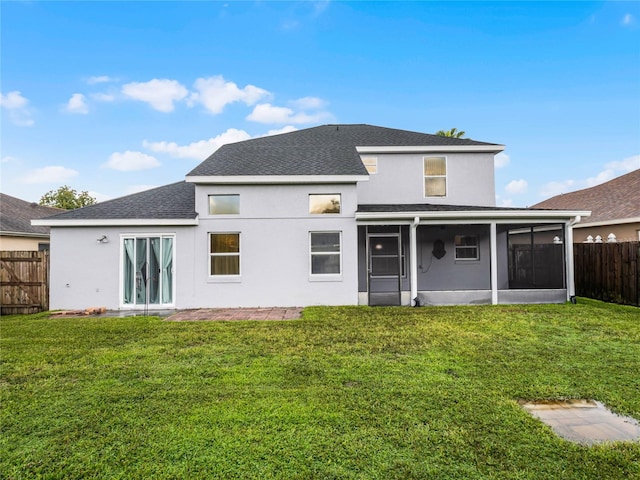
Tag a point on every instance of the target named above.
point(147, 270)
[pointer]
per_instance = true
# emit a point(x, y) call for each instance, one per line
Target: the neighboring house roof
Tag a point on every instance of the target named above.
point(612, 201)
point(170, 202)
point(16, 216)
point(323, 150)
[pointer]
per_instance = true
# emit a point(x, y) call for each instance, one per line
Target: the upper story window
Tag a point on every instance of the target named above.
point(466, 247)
point(224, 204)
point(371, 164)
point(324, 203)
point(435, 177)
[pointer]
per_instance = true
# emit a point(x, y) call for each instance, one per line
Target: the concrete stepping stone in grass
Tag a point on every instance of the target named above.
point(584, 421)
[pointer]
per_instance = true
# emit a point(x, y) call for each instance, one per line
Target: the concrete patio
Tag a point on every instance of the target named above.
point(222, 314)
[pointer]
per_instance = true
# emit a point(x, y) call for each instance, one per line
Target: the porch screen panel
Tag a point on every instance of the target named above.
point(536, 257)
point(167, 270)
point(128, 271)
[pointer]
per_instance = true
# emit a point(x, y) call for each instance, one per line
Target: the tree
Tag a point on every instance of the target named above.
point(67, 198)
point(454, 132)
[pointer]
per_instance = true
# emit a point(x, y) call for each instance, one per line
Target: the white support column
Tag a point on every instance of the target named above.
point(413, 254)
point(494, 263)
point(568, 249)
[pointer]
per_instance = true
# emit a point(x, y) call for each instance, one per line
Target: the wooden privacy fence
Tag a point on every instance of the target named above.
point(608, 271)
point(24, 282)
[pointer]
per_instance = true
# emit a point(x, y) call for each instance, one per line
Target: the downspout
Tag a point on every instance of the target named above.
point(413, 252)
point(571, 285)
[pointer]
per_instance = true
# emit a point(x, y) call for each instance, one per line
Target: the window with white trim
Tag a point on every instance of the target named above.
point(224, 254)
point(321, 203)
point(435, 176)
point(466, 247)
point(325, 252)
point(371, 164)
point(224, 204)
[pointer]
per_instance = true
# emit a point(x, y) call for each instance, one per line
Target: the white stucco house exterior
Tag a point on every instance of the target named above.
point(329, 215)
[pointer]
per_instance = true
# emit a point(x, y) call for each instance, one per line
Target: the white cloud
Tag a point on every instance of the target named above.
point(18, 107)
point(159, 93)
point(215, 93)
point(52, 174)
point(614, 169)
point(13, 100)
point(9, 159)
point(611, 170)
point(551, 189)
point(202, 149)
point(501, 160)
point(628, 19)
point(77, 104)
point(267, 113)
point(131, 161)
point(503, 202)
point(138, 188)
point(100, 79)
point(278, 131)
point(308, 103)
point(100, 197)
point(103, 97)
point(626, 165)
point(516, 186)
point(198, 150)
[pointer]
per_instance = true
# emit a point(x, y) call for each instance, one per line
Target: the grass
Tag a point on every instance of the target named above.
point(345, 392)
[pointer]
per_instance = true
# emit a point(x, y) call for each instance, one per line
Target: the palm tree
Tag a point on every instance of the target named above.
point(454, 132)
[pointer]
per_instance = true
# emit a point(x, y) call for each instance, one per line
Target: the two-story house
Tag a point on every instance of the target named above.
point(330, 215)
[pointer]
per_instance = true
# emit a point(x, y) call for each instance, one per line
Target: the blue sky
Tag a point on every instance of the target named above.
point(114, 97)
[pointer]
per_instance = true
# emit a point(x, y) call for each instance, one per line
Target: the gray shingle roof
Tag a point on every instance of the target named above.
point(174, 201)
point(16, 215)
point(323, 150)
point(613, 200)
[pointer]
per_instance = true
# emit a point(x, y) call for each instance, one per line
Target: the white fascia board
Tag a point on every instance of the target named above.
point(116, 222)
point(433, 148)
point(276, 179)
point(24, 234)
point(619, 221)
point(475, 216)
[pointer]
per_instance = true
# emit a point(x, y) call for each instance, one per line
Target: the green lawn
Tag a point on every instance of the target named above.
point(352, 392)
